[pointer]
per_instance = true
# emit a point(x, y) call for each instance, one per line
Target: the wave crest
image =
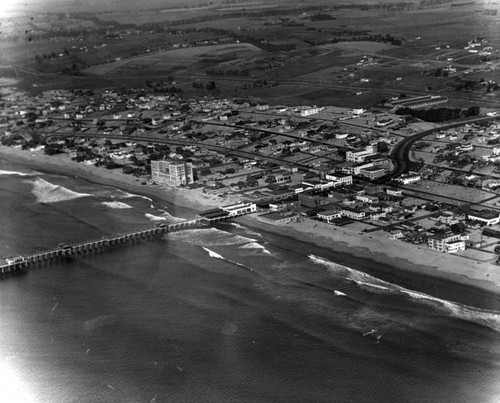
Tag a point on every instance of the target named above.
point(209, 237)
point(480, 316)
point(46, 192)
point(4, 172)
point(116, 205)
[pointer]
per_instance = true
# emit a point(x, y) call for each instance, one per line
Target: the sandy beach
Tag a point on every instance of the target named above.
point(399, 255)
point(189, 201)
point(374, 246)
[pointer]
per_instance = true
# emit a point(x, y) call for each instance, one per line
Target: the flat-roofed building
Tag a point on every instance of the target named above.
point(360, 155)
point(278, 218)
point(353, 212)
point(419, 102)
point(240, 209)
point(339, 179)
point(449, 243)
point(329, 215)
point(488, 217)
point(373, 173)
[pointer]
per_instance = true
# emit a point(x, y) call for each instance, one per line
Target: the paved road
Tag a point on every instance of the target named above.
point(401, 152)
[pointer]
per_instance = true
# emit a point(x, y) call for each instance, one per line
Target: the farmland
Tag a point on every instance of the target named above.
point(307, 52)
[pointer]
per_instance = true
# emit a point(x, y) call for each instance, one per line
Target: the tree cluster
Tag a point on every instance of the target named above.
point(439, 114)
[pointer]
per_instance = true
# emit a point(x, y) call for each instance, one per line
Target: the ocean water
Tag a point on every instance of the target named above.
point(225, 314)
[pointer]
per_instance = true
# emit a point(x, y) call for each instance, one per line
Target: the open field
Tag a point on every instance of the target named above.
point(166, 60)
point(349, 53)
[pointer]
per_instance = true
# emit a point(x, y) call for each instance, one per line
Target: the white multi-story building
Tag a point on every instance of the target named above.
point(172, 172)
point(339, 179)
point(449, 243)
point(360, 155)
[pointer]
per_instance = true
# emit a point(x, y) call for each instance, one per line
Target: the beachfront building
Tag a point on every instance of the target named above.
point(278, 218)
point(449, 243)
point(353, 213)
point(240, 209)
point(172, 172)
point(329, 215)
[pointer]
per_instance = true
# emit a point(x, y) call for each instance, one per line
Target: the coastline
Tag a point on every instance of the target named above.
point(375, 247)
point(398, 258)
point(185, 203)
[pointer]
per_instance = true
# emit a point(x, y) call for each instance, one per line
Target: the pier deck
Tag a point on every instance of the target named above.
point(22, 263)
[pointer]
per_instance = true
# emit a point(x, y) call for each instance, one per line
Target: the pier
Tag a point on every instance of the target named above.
point(69, 251)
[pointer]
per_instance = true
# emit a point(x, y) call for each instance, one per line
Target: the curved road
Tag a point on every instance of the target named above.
point(400, 154)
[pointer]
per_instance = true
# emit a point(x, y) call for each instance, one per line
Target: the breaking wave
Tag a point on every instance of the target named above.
point(209, 237)
point(255, 245)
point(46, 192)
point(3, 172)
point(171, 217)
point(116, 205)
point(216, 255)
point(480, 316)
point(247, 231)
point(153, 217)
point(126, 195)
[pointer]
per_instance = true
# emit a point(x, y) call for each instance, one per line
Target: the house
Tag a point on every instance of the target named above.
point(394, 192)
point(298, 188)
point(367, 198)
point(310, 111)
point(353, 212)
point(282, 176)
point(396, 234)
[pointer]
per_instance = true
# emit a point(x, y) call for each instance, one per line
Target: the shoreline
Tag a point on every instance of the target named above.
point(395, 255)
point(382, 265)
point(184, 203)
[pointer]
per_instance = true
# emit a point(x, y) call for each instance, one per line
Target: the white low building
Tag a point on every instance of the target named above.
point(240, 209)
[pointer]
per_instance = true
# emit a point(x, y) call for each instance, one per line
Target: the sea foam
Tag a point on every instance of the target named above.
point(46, 192)
point(3, 172)
point(209, 237)
point(480, 316)
point(116, 205)
point(255, 245)
point(216, 255)
point(153, 217)
point(213, 254)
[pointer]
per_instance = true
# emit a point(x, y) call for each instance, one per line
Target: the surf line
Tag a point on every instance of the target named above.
point(216, 255)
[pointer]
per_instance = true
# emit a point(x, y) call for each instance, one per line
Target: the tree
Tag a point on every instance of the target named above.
point(472, 111)
point(30, 116)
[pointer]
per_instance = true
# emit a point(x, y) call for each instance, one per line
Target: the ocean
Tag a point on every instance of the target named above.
point(226, 314)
